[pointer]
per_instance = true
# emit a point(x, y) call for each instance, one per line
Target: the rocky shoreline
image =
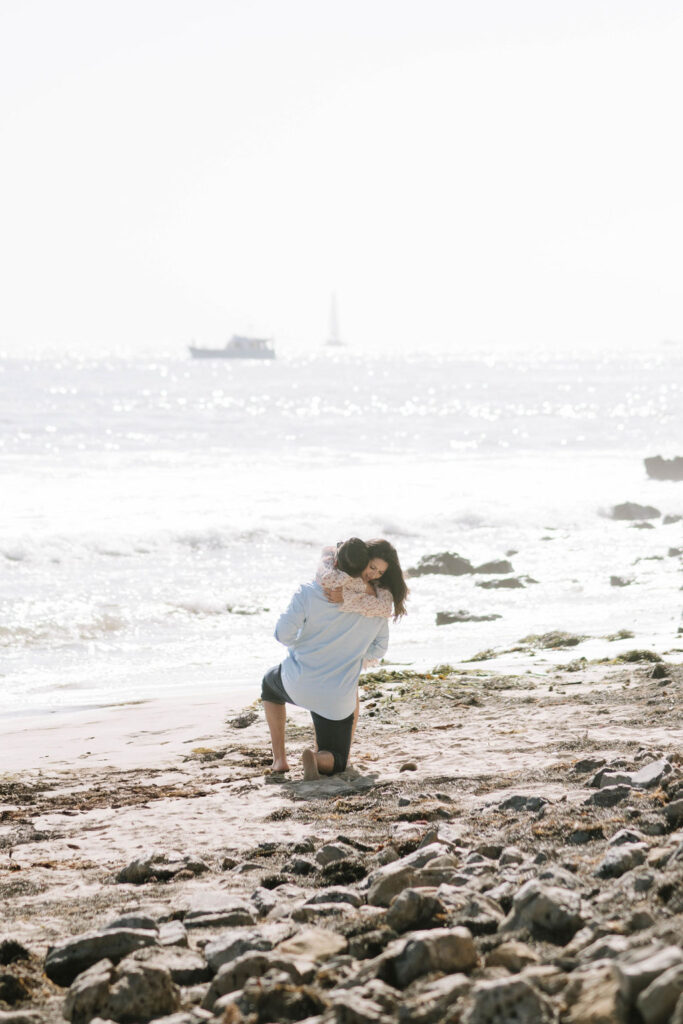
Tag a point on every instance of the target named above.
point(504, 848)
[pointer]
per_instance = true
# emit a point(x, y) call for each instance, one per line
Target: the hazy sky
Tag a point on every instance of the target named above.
point(463, 173)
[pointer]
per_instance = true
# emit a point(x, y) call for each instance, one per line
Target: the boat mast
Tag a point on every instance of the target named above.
point(334, 338)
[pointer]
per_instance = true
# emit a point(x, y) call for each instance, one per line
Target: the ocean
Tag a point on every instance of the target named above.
point(156, 514)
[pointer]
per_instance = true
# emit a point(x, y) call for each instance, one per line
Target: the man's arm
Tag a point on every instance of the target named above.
point(378, 647)
point(292, 620)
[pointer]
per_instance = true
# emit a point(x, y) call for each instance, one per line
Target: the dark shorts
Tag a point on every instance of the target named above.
point(331, 735)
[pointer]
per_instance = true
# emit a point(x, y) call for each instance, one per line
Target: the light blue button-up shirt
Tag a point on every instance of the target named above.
point(326, 651)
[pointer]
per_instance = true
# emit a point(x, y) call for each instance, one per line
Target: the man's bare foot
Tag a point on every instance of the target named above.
point(310, 763)
point(279, 766)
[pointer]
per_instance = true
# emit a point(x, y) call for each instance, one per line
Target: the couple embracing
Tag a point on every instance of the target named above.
point(333, 627)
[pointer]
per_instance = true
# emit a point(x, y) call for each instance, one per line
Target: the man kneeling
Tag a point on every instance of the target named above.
point(326, 650)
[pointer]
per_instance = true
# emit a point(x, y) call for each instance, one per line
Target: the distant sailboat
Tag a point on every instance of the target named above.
point(333, 338)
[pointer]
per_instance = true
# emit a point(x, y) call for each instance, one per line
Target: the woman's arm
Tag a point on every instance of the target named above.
point(327, 574)
point(379, 605)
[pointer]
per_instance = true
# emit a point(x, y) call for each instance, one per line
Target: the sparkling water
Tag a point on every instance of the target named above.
point(157, 514)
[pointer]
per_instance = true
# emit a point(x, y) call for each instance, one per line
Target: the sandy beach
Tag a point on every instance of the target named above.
point(83, 796)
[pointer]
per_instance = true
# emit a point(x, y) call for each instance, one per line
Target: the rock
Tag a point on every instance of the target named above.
point(236, 942)
point(478, 912)
point(387, 881)
point(620, 859)
point(651, 774)
point(621, 581)
point(447, 618)
point(244, 720)
point(514, 956)
point(674, 812)
point(130, 992)
point(518, 802)
point(438, 949)
point(87, 996)
point(589, 764)
point(664, 469)
point(351, 1007)
point(408, 766)
point(547, 911)
point(636, 973)
point(675, 552)
point(337, 894)
point(658, 1001)
point(415, 908)
point(299, 866)
point(211, 909)
point(159, 865)
point(333, 851)
point(233, 976)
point(631, 510)
point(625, 835)
point(512, 854)
point(139, 921)
point(313, 944)
point(430, 1003)
point(587, 834)
point(372, 943)
point(496, 567)
point(264, 901)
point(68, 959)
point(186, 966)
point(172, 933)
point(670, 520)
point(509, 583)
point(444, 564)
point(274, 998)
point(594, 997)
point(508, 999)
point(610, 796)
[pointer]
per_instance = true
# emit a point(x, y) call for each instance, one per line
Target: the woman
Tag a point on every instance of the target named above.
point(368, 587)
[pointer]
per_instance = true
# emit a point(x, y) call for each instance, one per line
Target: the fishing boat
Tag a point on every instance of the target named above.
point(238, 347)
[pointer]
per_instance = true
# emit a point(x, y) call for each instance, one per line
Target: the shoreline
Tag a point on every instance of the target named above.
point(180, 823)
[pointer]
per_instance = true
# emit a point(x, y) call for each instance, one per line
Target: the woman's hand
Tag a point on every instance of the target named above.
point(336, 595)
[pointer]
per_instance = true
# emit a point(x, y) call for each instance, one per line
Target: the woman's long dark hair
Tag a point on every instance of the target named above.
point(392, 580)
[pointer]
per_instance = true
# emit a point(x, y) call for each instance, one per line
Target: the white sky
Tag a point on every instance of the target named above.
point(464, 173)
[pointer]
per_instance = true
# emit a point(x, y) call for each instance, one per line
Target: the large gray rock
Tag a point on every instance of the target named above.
point(514, 956)
point(620, 859)
point(186, 966)
point(631, 510)
point(160, 865)
point(337, 894)
point(594, 997)
point(353, 1007)
point(522, 802)
point(391, 879)
point(449, 950)
point(317, 944)
point(415, 908)
point(651, 774)
point(129, 993)
point(610, 796)
point(446, 563)
point(233, 943)
point(508, 999)
point(658, 1001)
point(334, 851)
point(636, 974)
point(68, 959)
point(547, 911)
point(232, 976)
point(429, 1004)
